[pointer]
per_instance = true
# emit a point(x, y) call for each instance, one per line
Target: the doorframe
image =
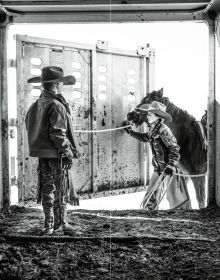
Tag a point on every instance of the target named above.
point(213, 181)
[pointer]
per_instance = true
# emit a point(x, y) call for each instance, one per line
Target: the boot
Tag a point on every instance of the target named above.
point(48, 220)
point(57, 219)
point(60, 213)
point(60, 221)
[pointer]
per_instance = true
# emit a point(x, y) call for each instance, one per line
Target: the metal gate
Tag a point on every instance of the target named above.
point(109, 84)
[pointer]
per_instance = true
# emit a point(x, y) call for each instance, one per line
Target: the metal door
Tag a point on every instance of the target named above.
point(109, 84)
point(119, 86)
point(32, 55)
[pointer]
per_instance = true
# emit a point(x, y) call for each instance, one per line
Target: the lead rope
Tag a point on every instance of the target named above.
point(101, 130)
point(190, 176)
point(122, 127)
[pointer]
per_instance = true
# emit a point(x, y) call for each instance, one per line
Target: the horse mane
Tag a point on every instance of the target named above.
point(180, 114)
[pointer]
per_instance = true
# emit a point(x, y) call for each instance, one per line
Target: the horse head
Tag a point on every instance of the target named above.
point(135, 117)
point(156, 95)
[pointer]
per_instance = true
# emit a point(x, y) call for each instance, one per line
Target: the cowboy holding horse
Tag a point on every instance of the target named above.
point(50, 138)
point(165, 150)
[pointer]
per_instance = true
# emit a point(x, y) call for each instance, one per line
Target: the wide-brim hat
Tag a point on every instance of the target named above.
point(156, 108)
point(53, 74)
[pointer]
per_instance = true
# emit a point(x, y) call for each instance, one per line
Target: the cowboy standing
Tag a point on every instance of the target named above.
point(50, 138)
point(165, 151)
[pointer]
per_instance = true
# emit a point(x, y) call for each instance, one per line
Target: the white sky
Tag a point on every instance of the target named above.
point(181, 60)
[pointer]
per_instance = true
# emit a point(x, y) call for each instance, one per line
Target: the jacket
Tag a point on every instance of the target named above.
point(165, 150)
point(49, 128)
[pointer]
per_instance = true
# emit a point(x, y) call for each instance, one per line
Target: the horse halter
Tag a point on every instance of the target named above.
point(137, 120)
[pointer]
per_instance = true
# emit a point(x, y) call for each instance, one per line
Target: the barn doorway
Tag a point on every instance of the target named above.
point(167, 72)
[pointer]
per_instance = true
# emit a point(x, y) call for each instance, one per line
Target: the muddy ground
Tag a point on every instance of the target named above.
point(131, 244)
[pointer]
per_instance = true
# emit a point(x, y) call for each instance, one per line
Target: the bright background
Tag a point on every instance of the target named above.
point(181, 64)
point(181, 59)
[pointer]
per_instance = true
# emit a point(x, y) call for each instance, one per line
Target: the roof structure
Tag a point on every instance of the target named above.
point(105, 10)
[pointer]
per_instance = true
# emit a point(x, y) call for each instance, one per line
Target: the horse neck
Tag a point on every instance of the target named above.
point(178, 115)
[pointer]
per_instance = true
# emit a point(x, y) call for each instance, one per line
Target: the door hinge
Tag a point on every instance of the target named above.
point(13, 122)
point(12, 63)
point(144, 50)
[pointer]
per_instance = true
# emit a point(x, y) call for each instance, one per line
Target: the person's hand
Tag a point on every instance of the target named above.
point(126, 123)
point(66, 163)
point(169, 170)
point(76, 154)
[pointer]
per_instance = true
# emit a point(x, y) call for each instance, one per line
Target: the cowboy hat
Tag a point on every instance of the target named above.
point(156, 108)
point(53, 74)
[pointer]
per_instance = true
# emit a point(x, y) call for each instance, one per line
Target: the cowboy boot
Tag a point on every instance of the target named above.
point(48, 220)
point(67, 228)
point(60, 223)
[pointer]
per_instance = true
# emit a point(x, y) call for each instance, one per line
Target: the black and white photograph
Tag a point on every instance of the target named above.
point(110, 140)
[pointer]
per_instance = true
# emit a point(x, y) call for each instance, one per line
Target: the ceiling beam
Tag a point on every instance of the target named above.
point(101, 2)
point(106, 17)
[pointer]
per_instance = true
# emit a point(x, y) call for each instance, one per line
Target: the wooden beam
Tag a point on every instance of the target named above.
point(4, 147)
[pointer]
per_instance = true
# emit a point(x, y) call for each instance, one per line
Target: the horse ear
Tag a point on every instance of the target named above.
point(161, 92)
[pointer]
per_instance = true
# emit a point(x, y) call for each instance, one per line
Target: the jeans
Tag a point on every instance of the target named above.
point(53, 190)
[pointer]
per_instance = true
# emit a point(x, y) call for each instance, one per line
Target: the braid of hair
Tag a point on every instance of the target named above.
point(157, 127)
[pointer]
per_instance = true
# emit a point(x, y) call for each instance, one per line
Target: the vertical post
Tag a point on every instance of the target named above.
point(4, 146)
point(150, 71)
point(150, 84)
point(91, 98)
point(217, 108)
point(211, 118)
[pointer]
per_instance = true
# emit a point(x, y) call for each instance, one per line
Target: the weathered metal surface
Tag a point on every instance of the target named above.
point(110, 160)
point(4, 146)
point(27, 166)
point(103, 11)
point(79, 108)
point(51, 55)
point(118, 159)
point(106, 17)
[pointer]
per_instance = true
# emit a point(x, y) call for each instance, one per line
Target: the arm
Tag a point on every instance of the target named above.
point(58, 129)
point(144, 137)
point(170, 142)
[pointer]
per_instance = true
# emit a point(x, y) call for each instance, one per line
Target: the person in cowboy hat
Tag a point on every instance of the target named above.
point(165, 150)
point(50, 138)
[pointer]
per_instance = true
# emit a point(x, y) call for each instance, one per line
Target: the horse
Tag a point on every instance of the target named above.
point(193, 151)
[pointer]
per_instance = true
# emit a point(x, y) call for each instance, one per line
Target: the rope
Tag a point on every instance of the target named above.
point(101, 130)
point(187, 175)
point(122, 127)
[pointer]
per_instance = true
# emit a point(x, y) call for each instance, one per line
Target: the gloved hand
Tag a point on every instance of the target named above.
point(169, 169)
point(127, 129)
point(66, 162)
point(76, 154)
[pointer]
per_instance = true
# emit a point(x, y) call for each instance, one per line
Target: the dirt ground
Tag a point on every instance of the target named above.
point(131, 244)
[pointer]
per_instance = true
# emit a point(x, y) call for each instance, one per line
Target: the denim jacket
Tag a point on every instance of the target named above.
point(164, 147)
point(49, 128)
